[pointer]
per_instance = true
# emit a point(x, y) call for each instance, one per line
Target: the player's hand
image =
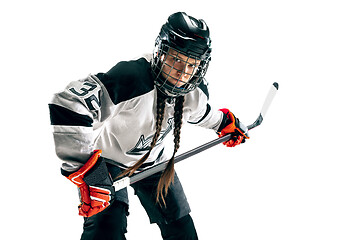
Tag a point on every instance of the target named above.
point(233, 126)
point(95, 186)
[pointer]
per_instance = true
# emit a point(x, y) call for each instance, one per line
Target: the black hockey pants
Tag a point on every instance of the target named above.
point(111, 224)
point(174, 221)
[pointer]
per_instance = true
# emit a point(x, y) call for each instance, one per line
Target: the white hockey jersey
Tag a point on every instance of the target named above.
point(116, 112)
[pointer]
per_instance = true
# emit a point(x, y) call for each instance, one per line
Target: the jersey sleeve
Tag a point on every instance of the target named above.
point(198, 110)
point(75, 114)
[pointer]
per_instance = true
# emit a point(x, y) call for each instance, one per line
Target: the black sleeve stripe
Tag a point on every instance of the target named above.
point(208, 108)
point(63, 116)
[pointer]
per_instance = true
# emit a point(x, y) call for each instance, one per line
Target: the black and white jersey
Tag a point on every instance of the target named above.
point(116, 112)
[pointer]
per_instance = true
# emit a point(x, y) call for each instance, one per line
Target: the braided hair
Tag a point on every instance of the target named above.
point(167, 177)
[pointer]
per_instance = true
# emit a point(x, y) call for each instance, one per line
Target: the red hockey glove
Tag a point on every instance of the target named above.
point(232, 125)
point(95, 186)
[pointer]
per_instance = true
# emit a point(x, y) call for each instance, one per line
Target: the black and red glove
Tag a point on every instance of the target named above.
point(232, 125)
point(95, 185)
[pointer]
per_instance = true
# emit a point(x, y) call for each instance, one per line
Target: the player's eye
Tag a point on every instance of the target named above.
point(176, 59)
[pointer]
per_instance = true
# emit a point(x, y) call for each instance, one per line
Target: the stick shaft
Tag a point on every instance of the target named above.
point(160, 167)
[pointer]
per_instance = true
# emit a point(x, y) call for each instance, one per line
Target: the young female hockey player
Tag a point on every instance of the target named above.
point(124, 116)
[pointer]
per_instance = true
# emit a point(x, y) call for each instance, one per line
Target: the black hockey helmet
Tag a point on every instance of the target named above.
point(187, 36)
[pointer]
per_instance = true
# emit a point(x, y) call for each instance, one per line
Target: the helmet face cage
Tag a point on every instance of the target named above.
point(168, 61)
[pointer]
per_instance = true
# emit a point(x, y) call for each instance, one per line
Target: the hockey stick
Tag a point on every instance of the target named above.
point(126, 181)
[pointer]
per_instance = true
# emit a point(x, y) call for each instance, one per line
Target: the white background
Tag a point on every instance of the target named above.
point(296, 178)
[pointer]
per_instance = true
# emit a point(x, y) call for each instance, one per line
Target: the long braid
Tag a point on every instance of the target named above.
point(167, 176)
point(160, 107)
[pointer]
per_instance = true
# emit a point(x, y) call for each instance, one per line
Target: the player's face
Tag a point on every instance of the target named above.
point(178, 69)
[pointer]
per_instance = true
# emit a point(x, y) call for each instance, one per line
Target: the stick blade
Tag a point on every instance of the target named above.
point(272, 92)
point(266, 105)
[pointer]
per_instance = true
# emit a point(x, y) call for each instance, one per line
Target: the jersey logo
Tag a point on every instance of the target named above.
point(143, 144)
